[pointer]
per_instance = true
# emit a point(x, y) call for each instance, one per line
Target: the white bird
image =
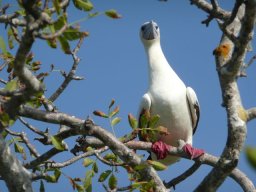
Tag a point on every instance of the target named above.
point(167, 95)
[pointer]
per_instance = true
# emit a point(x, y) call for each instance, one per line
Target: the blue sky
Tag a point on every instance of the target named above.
point(114, 66)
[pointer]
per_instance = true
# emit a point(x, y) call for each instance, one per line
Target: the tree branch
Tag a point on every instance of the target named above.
point(71, 73)
point(76, 158)
point(11, 168)
point(245, 36)
point(88, 128)
point(42, 158)
point(209, 8)
point(236, 174)
point(77, 124)
point(231, 97)
point(251, 114)
point(25, 140)
point(183, 176)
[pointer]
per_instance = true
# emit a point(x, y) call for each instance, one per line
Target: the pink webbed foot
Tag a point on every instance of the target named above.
point(160, 149)
point(192, 152)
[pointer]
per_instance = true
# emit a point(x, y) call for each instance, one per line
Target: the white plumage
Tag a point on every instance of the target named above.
point(167, 95)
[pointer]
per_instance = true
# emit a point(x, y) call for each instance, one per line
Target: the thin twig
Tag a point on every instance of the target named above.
point(111, 163)
point(31, 127)
point(3, 9)
point(42, 158)
point(52, 36)
point(77, 158)
point(25, 140)
point(208, 8)
point(211, 16)
point(183, 176)
point(70, 75)
point(234, 12)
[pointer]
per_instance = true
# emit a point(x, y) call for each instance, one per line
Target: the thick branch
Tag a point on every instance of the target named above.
point(231, 98)
point(245, 36)
point(207, 7)
point(11, 168)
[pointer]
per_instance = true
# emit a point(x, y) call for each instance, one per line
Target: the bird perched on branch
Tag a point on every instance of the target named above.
point(168, 97)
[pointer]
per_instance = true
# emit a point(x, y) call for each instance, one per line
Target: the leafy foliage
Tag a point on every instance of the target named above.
point(251, 156)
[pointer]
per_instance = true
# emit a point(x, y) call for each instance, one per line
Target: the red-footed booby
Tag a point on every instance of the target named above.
point(168, 97)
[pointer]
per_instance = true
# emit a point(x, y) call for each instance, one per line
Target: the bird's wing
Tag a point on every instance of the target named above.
point(194, 107)
point(145, 105)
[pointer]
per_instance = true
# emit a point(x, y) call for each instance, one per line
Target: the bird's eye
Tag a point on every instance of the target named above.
point(143, 28)
point(156, 27)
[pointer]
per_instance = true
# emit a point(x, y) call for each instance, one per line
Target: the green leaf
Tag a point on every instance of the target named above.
point(64, 44)
point(72, 34)
point(52, 43)
point(10, 38)
point(143, 121)
point(18, 148)
point(88, 179)
point(115, 121)
point(84, 5)
point(110, 157)
point(114, 112)
point(56, 5)
point(4, 134)
point(42, 189)
point(140, 167)
point(6, 120)
point(138, 184)
point(157, 165)
point(132, 121)
point(113, 14)
point(55, 177)
point(2, 45)
point(12, 85)
point(153, 121)
point(58, 143)
point(104, 175)
point(100, 114)
point(62, 20)
point(87, 162)
point(79, 188)
point(112, 182)
point(95, 167)
point(111, 103)
point(57, 174)
point(251, 156)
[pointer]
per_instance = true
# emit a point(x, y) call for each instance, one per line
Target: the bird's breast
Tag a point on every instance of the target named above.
point(171, 106)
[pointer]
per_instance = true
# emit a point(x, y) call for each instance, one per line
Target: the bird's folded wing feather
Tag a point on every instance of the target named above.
point(194, 107)
point(145, 104)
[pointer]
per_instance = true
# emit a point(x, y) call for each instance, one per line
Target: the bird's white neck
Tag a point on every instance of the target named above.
point(159, 69)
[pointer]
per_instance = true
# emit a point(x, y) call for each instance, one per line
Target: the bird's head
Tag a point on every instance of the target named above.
point(149, 33)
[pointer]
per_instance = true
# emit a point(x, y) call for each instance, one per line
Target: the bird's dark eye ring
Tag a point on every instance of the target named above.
point(143, 28)
point(156, 27)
